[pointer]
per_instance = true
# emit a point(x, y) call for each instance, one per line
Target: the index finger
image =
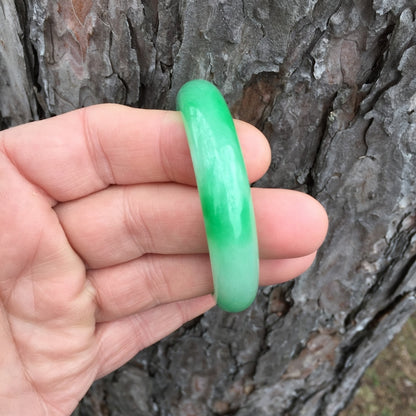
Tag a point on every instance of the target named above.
point(86, 150)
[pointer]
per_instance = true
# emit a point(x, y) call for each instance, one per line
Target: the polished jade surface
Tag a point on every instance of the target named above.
point(225, 194)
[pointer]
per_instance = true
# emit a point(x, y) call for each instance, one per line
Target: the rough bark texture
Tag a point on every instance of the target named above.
point(332, 84)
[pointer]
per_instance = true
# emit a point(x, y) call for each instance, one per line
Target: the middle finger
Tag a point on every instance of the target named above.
point(123, 223)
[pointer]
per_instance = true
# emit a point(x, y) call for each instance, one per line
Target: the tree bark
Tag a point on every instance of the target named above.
point(331, 83)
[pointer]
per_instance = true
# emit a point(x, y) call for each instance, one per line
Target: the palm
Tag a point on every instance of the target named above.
point(103, 250)
point(47, 311)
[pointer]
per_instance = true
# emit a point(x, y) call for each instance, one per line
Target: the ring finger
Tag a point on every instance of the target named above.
point(153, 280)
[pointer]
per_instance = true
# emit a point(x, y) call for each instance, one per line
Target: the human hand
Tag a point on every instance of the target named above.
point(103, 249)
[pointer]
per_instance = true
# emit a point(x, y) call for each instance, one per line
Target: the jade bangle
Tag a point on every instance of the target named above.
point(224, 191)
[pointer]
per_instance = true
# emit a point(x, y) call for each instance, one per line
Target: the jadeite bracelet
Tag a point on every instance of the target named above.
point(224, 191)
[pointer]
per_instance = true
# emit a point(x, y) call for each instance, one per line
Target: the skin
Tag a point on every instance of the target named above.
point(103, 250)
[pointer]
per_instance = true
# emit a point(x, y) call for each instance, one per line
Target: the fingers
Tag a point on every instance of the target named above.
point(122, 339)
point(124, 223)
point(153, 280)
point(86, 150)
point(281, 270)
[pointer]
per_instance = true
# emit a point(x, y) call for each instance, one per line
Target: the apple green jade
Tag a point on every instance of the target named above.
point(224, 191)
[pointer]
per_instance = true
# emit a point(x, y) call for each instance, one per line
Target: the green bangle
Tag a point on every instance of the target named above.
point(224, 192)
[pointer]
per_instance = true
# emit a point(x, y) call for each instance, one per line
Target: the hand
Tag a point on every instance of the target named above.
point(102, 246)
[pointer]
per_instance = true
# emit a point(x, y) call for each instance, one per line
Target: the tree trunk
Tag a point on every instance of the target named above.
point(332, 85)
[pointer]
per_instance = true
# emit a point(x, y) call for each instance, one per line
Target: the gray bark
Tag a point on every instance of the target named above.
point(332, 85)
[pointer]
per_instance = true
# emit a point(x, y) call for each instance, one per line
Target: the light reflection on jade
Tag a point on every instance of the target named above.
point(224, 192)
